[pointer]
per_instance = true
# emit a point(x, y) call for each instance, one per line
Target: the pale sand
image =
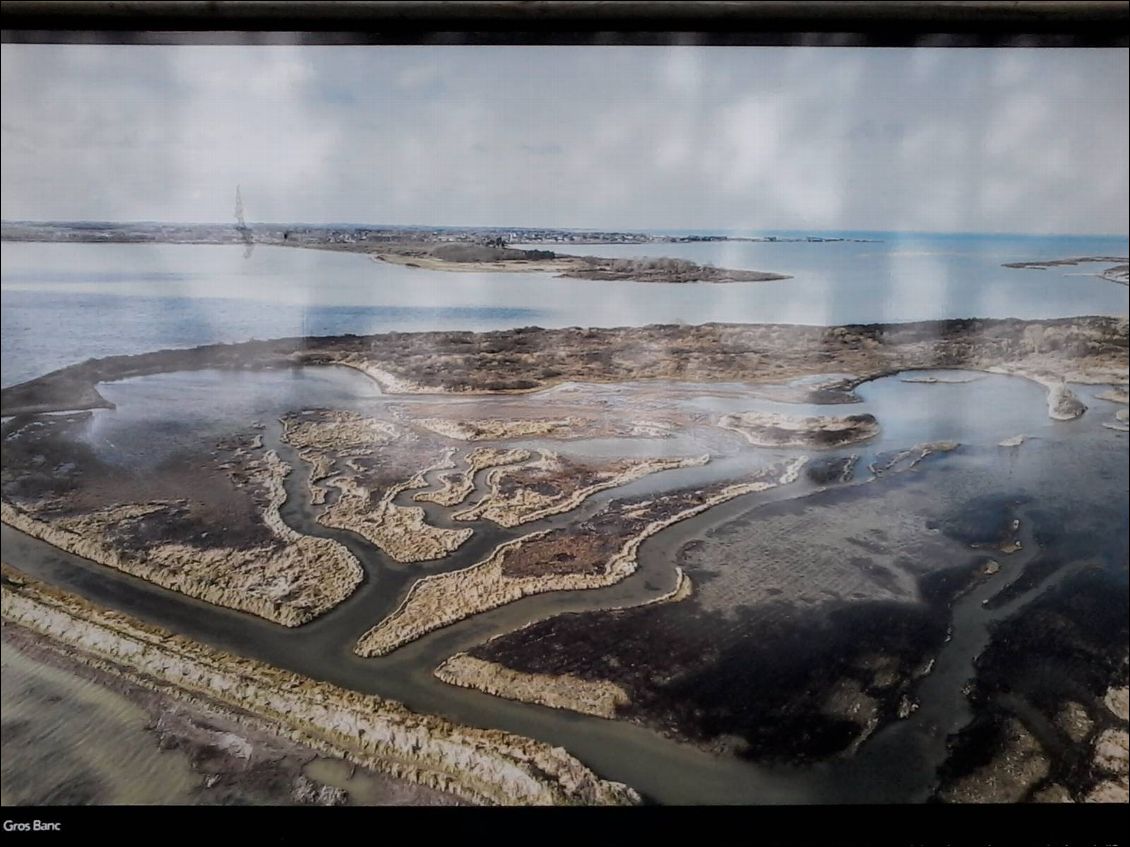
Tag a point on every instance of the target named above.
point(484, 766)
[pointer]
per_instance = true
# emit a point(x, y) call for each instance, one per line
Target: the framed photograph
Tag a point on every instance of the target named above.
point(560, 404)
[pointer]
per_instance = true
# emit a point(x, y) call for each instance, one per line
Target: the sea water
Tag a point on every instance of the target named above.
point(64, 303)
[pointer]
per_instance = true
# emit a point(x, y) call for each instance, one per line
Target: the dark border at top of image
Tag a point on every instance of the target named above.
point(839, 23)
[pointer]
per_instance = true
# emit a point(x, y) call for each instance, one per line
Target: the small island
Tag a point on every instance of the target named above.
point(1119, 273)
point(498, 259)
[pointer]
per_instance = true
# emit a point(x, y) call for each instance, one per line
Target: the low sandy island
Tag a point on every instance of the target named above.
point(476, 258)
point(937, 380)
point(897, 461)
point(1115, 395)
point(1090, 350)
point(1119, 273)
point(1063, 405)
point(484, 766)
point(1121, 422)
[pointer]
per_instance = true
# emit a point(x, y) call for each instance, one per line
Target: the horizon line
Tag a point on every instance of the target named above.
point(589, 229)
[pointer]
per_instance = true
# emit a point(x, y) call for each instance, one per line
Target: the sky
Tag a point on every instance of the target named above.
point(682, 137)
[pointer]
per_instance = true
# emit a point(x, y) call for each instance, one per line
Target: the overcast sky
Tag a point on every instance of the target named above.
point(604, 137)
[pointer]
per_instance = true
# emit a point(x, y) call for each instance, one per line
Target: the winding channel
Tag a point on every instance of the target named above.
point(895, 765)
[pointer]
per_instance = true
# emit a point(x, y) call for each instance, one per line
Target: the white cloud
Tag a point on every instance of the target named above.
point(682, 137)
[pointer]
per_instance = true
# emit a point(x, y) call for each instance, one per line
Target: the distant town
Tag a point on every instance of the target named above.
point(349, 236)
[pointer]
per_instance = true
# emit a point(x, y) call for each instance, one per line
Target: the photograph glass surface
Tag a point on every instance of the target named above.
point(572, 424)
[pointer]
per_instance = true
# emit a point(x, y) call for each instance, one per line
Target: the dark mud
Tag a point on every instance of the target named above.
point(985, 521)
point(828, 471)
point(1061, 542)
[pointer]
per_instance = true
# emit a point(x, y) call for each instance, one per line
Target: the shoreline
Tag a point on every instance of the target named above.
point(1119, 274)
point(587, 268)
point(468, 363)
point(769, 429)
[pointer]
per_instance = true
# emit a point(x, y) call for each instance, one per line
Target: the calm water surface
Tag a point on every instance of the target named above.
point(63, 303)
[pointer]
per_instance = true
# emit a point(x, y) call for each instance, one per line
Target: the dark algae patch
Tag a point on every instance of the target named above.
point(785, 679)
point(942, 587)
point(771, 686)
point(829, 471)
point(1047, 669)
point(1060, 543)
point(986, 521)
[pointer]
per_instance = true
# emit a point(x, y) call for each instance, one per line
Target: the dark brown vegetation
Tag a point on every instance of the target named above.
point(460, 252)
point(587, 546)
point(705, 675)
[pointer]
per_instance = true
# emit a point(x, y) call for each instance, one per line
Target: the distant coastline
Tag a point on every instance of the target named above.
point(467, 249)
point(1119, 273)
point(362, 236)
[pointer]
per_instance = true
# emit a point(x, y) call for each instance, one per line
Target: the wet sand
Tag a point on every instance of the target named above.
point(135, 746)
